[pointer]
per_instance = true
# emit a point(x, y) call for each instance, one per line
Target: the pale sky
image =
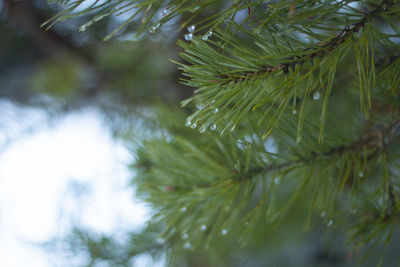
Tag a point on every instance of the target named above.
point(38, 173)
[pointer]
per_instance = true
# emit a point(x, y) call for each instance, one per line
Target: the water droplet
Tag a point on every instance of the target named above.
point(298, 140)
point(183, 209)
point(202, 129)
point(224, 231)
point(191, 28)
point(206, 36)
point(361, 174)
point(200, 106)
point(323, 214)
point(164, 12)
point(82, 28)
point(277, 180)
point(188, 123)
point(294, 112)
point(330, 223)
point(160, 241)
point(188, 37)
point(194, 125)
point(213, 127)
point(216, 110)
point(154, 28)
point(187, 245)
point(185, 236)
point(203, 227)
point(317, 96)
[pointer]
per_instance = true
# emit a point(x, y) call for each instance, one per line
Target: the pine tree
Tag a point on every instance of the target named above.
point(297, 109)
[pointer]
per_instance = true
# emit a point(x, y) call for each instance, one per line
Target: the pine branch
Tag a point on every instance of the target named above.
point(321, 51)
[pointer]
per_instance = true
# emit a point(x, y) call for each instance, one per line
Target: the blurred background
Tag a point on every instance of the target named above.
point(73, 108)
point(69, 103)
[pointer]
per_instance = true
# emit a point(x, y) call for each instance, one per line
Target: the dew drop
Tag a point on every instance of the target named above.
point(298, 140)
point(82, 28)
point(200, 106)
point(183, 209)
point(224, 231)
point(194, 125)
point(202, 129)
point(216, 110)
point(187, 245)
point(294, 112)
point(330, 223)
point(191, 28)
point(277, 180)
point(154, 28)
point(188, 37)
point(361, 174)
point(203, 227)
point(160, 241)
point(317, 96)
point(213, 127)
point(185, 236)
point(164, 12)
point(206, 36)
point(323, 214)
point(188, 123)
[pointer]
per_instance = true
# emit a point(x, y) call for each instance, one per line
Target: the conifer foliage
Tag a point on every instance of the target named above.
point(296, 107)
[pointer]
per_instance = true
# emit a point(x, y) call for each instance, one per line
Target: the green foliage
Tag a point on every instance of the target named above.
point(297, 108)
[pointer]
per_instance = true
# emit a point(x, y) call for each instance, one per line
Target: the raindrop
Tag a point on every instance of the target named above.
point(191, 28)
point(82, 28)
point(183, 209)
point(187, 245)
point(185, 236)
point(200, 106)
point(188, 123)
point(164, 12)
point(216, 110)
point(294, 112)
point(298, 140)
point(317, 96)
point(194, 125)
point(323, 214)
point(361, 174)
point(160, 241)
point(213, 127)
point(188, 37)
point(154, 28)
point(277, 180)
point(203, 227)
point(330, 223)
point(202, 129)
point(224, 231)
point(206, 36)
